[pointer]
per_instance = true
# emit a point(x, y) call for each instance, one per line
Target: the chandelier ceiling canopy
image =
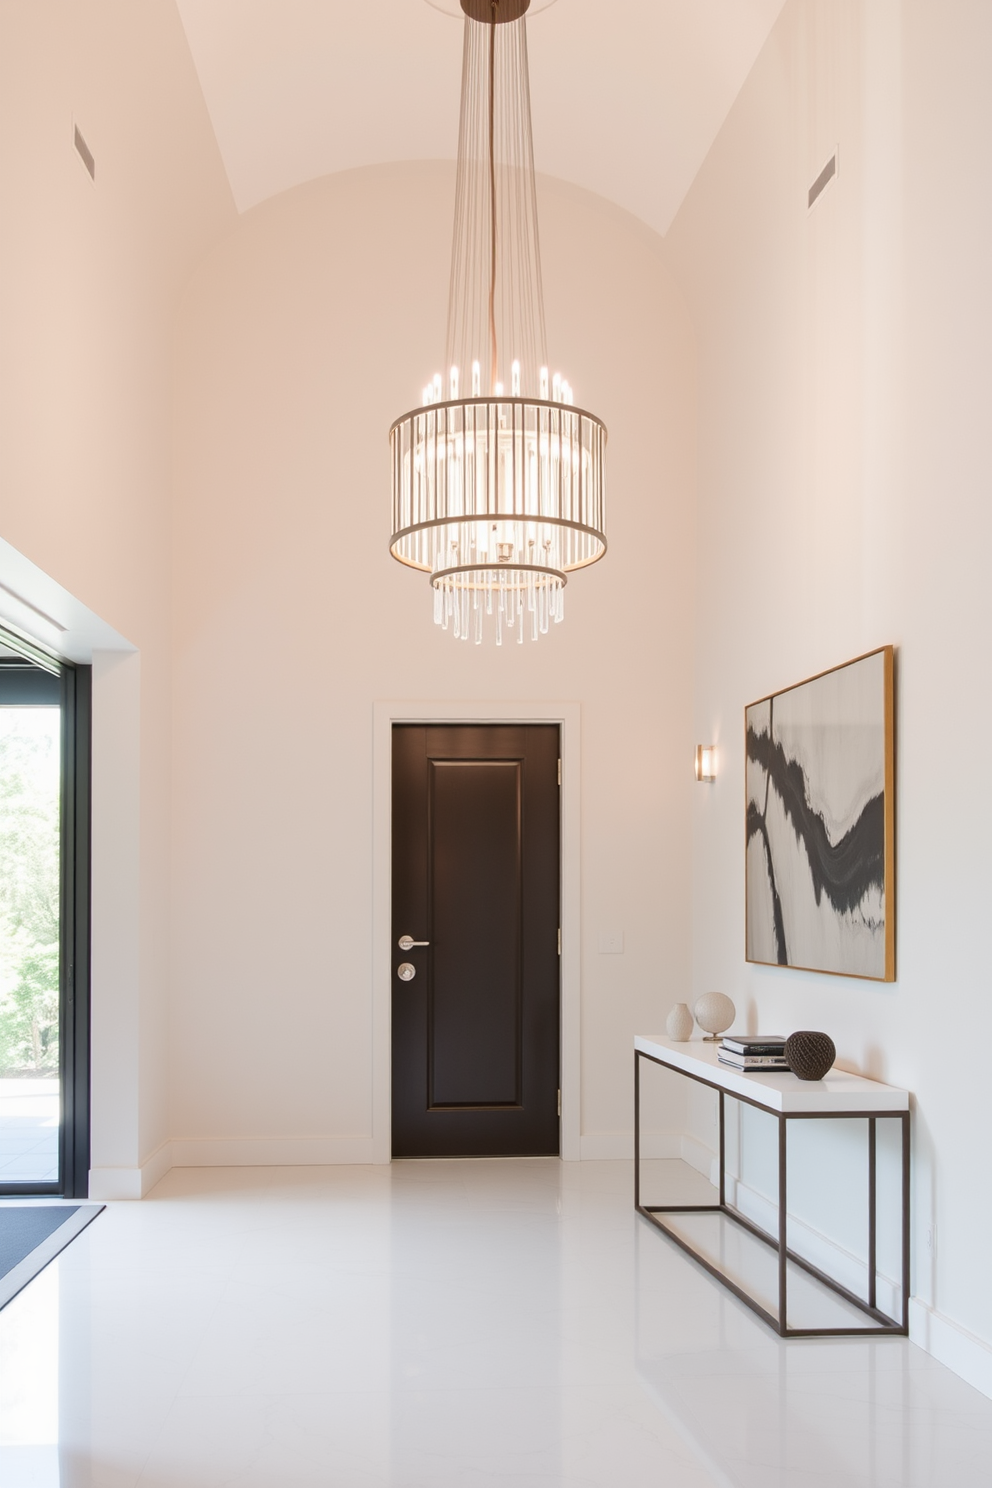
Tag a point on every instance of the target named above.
point(498, 479)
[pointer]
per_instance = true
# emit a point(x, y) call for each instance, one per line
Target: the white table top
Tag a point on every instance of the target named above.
point(777, 1090)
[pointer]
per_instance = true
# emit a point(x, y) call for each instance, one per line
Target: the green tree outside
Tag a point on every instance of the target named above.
point(29, 891)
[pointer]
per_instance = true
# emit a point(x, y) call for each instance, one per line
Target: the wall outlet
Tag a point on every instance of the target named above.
point(611, 943)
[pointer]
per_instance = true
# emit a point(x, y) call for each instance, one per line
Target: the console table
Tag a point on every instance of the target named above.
point(785, 1096)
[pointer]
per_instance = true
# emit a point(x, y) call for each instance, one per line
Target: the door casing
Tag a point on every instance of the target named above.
point(568, 717)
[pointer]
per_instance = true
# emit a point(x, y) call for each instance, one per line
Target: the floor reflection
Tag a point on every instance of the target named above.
point(762, 1412)
point(29, 1386)
point(441, 1325)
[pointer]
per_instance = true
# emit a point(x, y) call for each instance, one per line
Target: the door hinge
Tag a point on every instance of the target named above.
point(559, 1103)
point(559, 940)
point(559, 772)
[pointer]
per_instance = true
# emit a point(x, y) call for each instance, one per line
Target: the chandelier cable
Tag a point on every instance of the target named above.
point(494, 355)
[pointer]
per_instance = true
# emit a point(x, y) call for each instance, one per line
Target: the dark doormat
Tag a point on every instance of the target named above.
point(31, 1235)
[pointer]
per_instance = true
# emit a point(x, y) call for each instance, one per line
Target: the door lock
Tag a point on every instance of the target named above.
point(407, 942)
point(406, 972)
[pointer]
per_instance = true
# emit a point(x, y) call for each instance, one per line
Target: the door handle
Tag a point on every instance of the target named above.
point(407, 942)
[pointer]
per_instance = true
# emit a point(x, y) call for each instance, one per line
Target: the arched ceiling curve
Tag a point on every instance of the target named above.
point(628, 95)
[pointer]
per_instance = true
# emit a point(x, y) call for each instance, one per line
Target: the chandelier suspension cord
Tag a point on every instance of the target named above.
point(494, 365)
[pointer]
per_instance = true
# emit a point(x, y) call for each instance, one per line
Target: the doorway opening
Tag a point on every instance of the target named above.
point(476, 940)
point(44, 922)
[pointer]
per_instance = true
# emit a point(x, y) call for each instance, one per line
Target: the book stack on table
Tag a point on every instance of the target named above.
point(753, 1051)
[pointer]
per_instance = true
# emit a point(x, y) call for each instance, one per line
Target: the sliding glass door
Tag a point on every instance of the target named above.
point(44, 917)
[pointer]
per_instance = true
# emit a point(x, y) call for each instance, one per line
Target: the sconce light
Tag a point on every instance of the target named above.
point(705, 761)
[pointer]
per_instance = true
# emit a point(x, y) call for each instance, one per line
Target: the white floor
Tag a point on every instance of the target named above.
point(450, 1325)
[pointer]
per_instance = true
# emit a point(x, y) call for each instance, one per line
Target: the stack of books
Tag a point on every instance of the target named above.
point(753, 1051)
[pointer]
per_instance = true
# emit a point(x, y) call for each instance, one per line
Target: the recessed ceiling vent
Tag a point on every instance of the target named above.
point(822, 181)
point(84, 152)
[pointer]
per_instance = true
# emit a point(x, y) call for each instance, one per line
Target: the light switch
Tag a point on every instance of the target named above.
point(611, 943)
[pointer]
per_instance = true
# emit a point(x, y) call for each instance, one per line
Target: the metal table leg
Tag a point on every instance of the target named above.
point(637, 1128)
point(783, 1226)
point(872, 1262)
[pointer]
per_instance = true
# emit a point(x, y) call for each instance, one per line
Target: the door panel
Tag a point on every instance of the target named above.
point(474, 1033)
point(476, 873)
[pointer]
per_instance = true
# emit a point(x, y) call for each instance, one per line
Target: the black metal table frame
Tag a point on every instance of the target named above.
point(883, 1323)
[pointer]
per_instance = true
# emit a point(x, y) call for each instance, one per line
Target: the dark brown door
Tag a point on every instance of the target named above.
point(476, 874)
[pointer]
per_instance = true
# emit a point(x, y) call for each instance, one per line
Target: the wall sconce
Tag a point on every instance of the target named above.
point(705, 761)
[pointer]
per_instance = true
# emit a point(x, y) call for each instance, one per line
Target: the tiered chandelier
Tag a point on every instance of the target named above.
point(498, 479)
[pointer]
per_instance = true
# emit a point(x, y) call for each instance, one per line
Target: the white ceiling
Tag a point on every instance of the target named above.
point(628, 95)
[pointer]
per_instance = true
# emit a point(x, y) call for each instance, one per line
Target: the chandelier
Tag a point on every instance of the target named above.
point(498, 479)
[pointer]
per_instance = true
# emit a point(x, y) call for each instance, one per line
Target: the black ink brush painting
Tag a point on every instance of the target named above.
point(819, 823)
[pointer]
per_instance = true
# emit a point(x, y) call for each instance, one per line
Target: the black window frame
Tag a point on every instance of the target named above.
point(76, 713)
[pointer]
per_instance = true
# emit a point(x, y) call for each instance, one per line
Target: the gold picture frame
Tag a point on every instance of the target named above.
point(819, 833)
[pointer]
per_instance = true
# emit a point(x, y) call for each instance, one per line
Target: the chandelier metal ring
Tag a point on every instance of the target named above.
point(397, 538)
point(502, 401)
point(488, 569)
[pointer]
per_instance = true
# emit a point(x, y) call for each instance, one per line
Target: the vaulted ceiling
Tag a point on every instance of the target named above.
point(628, 95)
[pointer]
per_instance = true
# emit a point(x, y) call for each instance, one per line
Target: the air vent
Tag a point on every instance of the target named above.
point(822, 181)
point(84, 152)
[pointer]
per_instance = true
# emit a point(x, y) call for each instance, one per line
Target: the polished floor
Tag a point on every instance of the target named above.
point(441, 1325)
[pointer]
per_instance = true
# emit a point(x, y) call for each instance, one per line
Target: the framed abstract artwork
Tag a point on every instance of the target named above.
point(820, 823)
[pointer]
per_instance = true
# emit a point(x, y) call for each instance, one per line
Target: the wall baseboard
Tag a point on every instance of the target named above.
point(131, 1183)
point(699, 1157)
point(279, 1152)
point(271, 1152)
point(223, 1152)
point(615, 1146)
point(952, 1345)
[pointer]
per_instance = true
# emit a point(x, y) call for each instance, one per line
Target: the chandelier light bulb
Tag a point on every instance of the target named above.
point(497, 498)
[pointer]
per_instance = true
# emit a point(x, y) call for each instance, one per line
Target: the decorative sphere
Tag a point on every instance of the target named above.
point(714, 1012)
point(809, 1055)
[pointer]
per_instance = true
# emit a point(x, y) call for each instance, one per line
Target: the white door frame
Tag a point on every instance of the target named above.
point(568, 718)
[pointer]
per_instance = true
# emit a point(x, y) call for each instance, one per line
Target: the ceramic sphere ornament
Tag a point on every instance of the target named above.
point(714, 1014)
point(679, 1024)
point(809, 1055)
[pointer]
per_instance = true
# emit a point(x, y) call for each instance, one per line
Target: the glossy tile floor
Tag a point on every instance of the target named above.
point(444, 1325)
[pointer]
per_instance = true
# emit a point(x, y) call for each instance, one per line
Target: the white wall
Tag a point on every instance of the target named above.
point(844, 477)
point(304, 334)
point(89, 275)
